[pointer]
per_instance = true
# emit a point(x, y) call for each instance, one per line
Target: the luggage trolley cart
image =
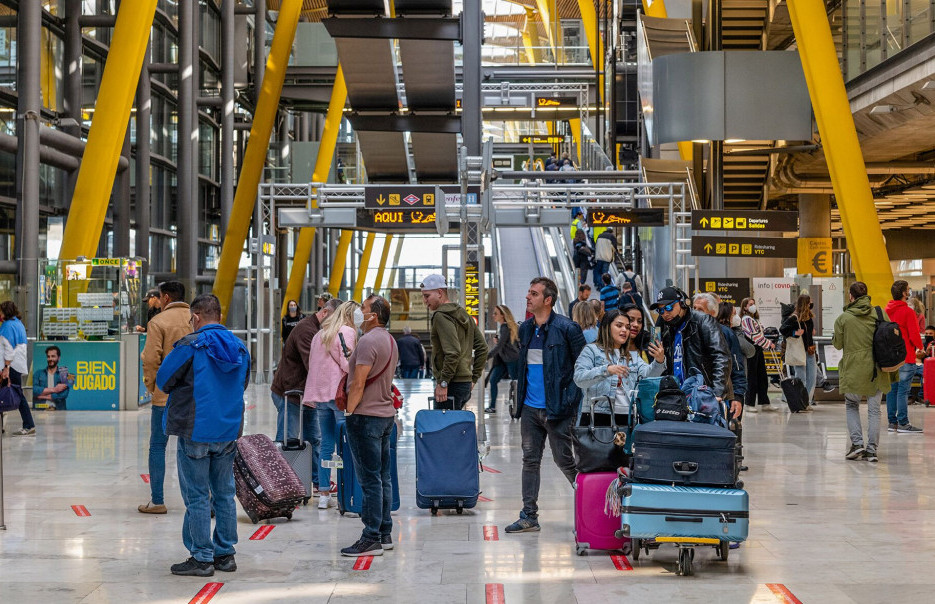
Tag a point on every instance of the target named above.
point(686, 545)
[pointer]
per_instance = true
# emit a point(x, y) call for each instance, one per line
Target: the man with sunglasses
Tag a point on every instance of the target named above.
point(692, 340)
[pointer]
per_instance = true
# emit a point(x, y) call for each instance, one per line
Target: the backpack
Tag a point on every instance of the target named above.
point(671, 403)
point(631, 281)
point(889, 348)
point(705, 408)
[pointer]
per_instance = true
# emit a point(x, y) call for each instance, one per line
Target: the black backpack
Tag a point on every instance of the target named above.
point(671, 403)
point(889, 348)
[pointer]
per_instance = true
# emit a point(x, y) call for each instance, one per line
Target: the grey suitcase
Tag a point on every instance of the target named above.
point(297, 452)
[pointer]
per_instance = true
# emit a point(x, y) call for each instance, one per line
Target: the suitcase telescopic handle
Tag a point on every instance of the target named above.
point(685, 468)
point(285, 416)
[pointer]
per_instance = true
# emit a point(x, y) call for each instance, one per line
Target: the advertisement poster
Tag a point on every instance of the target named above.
point(769, 292)
point(93, 370)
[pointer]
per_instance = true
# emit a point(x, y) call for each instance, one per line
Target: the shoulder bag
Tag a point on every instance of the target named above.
point(599, 448)
point(9, 396)
point(340, 397)
point(795, 350)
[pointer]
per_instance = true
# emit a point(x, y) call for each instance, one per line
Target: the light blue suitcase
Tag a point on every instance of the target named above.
point(656, 510)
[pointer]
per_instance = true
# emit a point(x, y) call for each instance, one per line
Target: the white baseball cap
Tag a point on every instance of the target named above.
point(434, 282)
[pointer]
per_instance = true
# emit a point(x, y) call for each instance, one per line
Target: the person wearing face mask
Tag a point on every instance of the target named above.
point(737, 383)
point(801, 324)
point(897, 401)
point(290, 319)
point(459, 352)
point(607, 368)
point(693, 341)
point(757, 379)
point(327, 361)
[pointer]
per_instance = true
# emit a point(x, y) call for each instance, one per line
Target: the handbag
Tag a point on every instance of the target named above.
point(795, 352)
point(340, 396)
point(599, 448)
point(9, 396)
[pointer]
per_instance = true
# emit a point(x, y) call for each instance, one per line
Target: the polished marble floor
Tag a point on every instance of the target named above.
point(823, 529)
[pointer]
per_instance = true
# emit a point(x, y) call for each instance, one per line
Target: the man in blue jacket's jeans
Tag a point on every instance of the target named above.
point(205, 376)
point(546, 394)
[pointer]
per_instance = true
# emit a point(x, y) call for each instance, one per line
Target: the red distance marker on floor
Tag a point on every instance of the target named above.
point(494, 592)
point(491, 470)
point(620, 561)
point(783, 594)
point(80, 510)
point(482, 498)
point(145, 478)
point(207, 592)
point(262, 532)
point(490, 533)
point(363, 563)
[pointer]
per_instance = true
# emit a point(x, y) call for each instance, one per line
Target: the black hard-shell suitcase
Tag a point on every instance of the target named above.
point(794, 391)
point(684, 453)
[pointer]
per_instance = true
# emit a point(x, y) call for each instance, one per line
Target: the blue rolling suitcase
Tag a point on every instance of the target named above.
point(447, 469)
point(350, 495)
point(654, 510)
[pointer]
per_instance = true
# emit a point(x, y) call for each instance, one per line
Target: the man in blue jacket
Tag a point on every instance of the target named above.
point(50, 384)
point(547, 397)
point(205, 376)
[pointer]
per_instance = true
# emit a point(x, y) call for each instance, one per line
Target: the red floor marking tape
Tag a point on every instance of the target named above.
point(621, 562)
point(251, 407)
point(491, 470)
point(207, 592)
point(495, 593)
point(783, 594)
point(262, 532)
point(80, 510)
point(482, 498)
point(145, 478)
point(363, 563)
point(490, 533)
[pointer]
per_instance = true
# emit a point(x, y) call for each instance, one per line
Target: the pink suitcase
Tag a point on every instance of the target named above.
point(593, 528)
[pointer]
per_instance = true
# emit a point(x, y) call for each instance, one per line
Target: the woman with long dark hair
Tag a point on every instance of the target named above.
point(291, 319)
point(757, 379)
point(801, 324)
point(505, 352)
point(13, 351)
point(639, 337)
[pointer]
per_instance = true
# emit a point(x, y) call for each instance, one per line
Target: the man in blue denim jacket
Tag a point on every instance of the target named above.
point(50, 384)
point(205, 376)
point(546, 394)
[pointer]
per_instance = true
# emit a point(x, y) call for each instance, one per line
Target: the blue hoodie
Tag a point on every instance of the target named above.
point(205, 376)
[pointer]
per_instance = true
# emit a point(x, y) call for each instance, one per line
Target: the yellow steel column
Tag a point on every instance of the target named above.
point(329, 139)
point(595, 43)
point(655, 8)
point(108, 129)
point(363, 267)
point(842, 148)
point(399, 249)
point(546, 16)
point(255, 155)
point(575, 125)
point(378, 282)
point(340, 261)
point(530, 35)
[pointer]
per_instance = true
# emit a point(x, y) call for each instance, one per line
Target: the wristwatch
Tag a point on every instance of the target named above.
point(443, 384)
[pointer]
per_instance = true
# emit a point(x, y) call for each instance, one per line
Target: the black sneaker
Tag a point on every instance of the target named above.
point(363, 547)
point(891, 428)
point(193, 568)
point(225, 563)
point(871, 456)
point(386, 541)
point(523, 525)
point(908, 429)
point(855, 452)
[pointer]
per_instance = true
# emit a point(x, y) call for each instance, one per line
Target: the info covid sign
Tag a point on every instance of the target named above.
point(91, 371)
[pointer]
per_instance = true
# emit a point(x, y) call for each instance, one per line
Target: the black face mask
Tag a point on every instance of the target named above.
point(811, 305)
point(929, 340)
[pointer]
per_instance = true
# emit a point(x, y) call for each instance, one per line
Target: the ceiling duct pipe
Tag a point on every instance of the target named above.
point(71, 145)
point(47, 155)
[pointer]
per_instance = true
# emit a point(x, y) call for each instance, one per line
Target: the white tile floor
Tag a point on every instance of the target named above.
point(827, 529)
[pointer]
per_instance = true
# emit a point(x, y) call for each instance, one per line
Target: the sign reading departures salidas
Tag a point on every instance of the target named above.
point(744, 220)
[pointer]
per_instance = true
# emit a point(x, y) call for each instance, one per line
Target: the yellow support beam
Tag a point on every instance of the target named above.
point(378, 282)
point(108, 129)
point(575, 125)
point(595, 43)
point(530, 35)
point(255, 155)
point(655, 8)
point(340, 261)
point(842, 147)
point(399, 250)
point(545, 13)
point(363, 267)
point(329, 140)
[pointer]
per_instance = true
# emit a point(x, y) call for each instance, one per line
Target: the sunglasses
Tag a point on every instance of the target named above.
point(669, 307)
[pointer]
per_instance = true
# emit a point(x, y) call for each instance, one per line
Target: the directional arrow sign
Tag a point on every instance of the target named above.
point(729, 289)
point(744, 247)
point(744, 220)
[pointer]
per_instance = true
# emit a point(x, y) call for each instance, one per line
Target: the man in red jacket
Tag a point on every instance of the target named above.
point(897, 401)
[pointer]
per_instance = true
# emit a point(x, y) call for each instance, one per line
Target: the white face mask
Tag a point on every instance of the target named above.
point(752, 309)
point(734, 321)
point(358, 318)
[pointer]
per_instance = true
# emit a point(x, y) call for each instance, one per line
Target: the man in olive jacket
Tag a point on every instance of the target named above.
point(163, 331)
point(459, 351)
point(853, 333)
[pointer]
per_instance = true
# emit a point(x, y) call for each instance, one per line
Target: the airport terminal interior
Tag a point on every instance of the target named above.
point(767, 157)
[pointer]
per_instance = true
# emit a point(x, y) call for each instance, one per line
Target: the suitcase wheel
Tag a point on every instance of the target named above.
point(637, 545)
point(434, 511)
point(739, 484)
point(460, 510)
point(684, 566)
point(723, 550)
point(580, 550)
point(305, 501)
point(288, 515)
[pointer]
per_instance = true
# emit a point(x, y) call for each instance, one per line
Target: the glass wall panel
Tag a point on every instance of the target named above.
point(873, 32)
point(919, 19)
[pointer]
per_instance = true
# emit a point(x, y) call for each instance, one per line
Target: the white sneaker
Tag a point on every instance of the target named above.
point(768, 408)
point(325, 502)
point(750, 409)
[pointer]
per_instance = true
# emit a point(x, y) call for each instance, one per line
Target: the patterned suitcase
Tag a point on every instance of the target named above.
point(655, 510)
point(350, 495)
point(595, 529)
point(267, 486)
point(299, 453)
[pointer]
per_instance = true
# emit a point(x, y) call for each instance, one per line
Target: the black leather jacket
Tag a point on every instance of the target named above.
point(703, 347)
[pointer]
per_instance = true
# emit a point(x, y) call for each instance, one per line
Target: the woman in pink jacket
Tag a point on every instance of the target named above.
point(327, 362)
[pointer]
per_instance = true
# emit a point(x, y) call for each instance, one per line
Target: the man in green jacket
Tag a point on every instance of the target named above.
point(853, 333)
point(459, 351)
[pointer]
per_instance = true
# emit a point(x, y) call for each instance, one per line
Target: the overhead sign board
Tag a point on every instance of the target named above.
point(727, 289)
point(541, 139)
point(814, 256)
point(554, 102)
point(453, 194)
point(472, 289)
point(397, 221)
point(744, 247)
point(645, 217)
point(744, 220)
point(400, 197)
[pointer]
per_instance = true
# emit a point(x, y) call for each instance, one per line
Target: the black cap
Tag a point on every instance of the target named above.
point(666, 297)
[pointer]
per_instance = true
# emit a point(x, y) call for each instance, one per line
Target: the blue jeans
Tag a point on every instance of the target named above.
point(157, 455)
point(600, 267)
point(311, 432)
point(497, 373)
point(329, 417)
point(409, 373)
point(206, 478)
point(807, 373)
point(897, 401)
point(369, 439)
point(280, 403)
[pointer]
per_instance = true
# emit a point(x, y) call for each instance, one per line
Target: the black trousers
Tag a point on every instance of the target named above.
point(757, 380)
